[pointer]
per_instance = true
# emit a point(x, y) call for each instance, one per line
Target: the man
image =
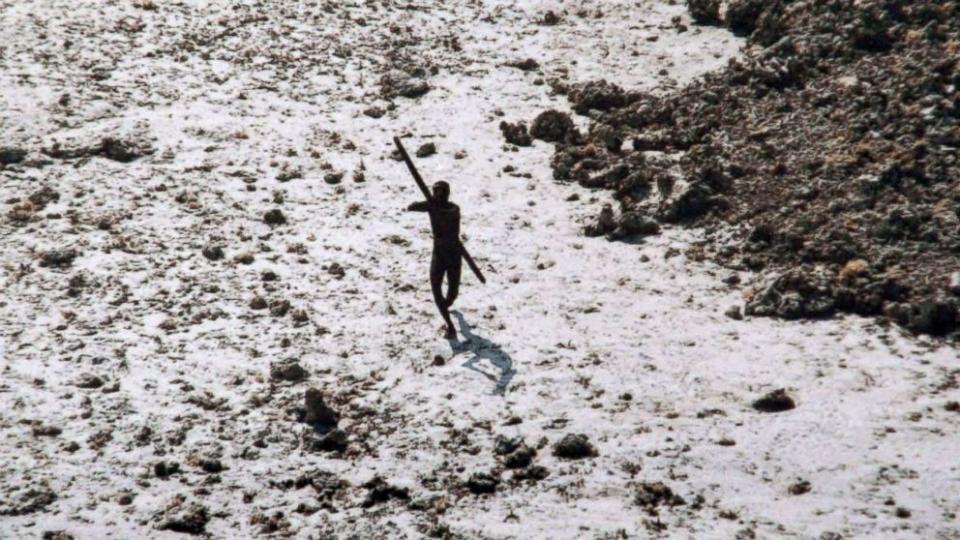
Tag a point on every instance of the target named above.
point(447, 250)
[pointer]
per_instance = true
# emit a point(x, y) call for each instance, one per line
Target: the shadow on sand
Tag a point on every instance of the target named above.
point(483, 349)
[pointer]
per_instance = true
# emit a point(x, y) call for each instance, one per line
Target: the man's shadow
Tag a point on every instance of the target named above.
point(483, 349)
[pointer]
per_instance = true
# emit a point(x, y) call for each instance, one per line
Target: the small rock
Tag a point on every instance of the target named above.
point(734, 313)
point(379, 491)
point(162, 469)
point(57, 535)
point(58, 258)
point(776, 401)
point(274, 217)
point(287, 370)
point(333, 178)
point(551, 126)
point(574, 446)
point(519, 458)
point(190, 519)
point(88, 380)
point(10, 155)
point(653, 494)
point(426, 150)
point(374, 112)
point(335, 440)
point(550, 18)
point(480, 483)
point(258, 303)
point(46, 431)
point(528, 64)
point(317, 411)
point(439, 360)
point(213, 252)
point(800, 487)
point(516, 133)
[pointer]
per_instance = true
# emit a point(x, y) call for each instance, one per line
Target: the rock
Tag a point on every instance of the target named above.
point(57, 535)
point(399, 84)
point(162, 469)
point(42, 197)
point(797, 293)
point(333, 178)
point(426, 150)
point(10, 155)
point(184, 518)
point(636, 224)
point(258, 303)
point(335, 440)
point(379, 491)
point(551, 126)
point(519, 458)
point(534, 473)
point(27, 501)
point(46, 431)
point(480, 483)
point(274, 217)
point(934, 317)
point(596, 95)
point(734, 313)
point(606, 223)
point(516, 133)
point(287, 370)
point(213, 252)
point(317, 412)
point(704, 11)
point(550, 18)
point(211, 465)
point(741, 16)
point(503, 445)
point(652, 494)
point(374, 112)
point(88, 380)
point(528, 64)
point(690, 204)
point(800, 487)
point(120, 150)
point(574, 446)
point(776, 401)
point(58, 258)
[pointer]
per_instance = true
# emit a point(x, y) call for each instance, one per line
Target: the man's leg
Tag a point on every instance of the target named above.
point(453, 280)
point(436, 283)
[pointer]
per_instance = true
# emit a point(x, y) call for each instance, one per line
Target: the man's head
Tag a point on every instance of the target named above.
point(441, 191)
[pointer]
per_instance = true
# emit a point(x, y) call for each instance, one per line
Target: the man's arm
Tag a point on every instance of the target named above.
point(420, 206)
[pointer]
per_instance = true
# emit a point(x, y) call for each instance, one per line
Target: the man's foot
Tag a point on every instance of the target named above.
point(451, 333)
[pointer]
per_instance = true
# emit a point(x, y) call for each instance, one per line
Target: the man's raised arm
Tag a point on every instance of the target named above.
point(420, 206)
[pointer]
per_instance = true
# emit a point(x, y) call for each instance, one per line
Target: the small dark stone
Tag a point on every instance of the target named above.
point(574, 446)
point(190, 519)
point(527, 64)
point(426, 150)
point(516, 133)
point(333, 178)
point(776, 401)
point(551, 126)
point(379, 491)
point(480, 483)
point(213, 252)
point(10, 155)
point(274, 217)
point(317, 411)
point(519, 458)
point(734, 313)
point(287, 370)
point(800, 487)
point(335, 440)
point(58, 258)
point(653, 494)
point(88, 380)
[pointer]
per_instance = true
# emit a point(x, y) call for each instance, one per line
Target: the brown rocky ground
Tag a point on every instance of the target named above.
point(825, 158)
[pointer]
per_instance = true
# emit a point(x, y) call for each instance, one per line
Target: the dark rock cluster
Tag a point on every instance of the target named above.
point(830, 149)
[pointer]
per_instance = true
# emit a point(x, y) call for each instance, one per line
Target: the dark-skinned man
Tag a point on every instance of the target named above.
point(447, 250)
